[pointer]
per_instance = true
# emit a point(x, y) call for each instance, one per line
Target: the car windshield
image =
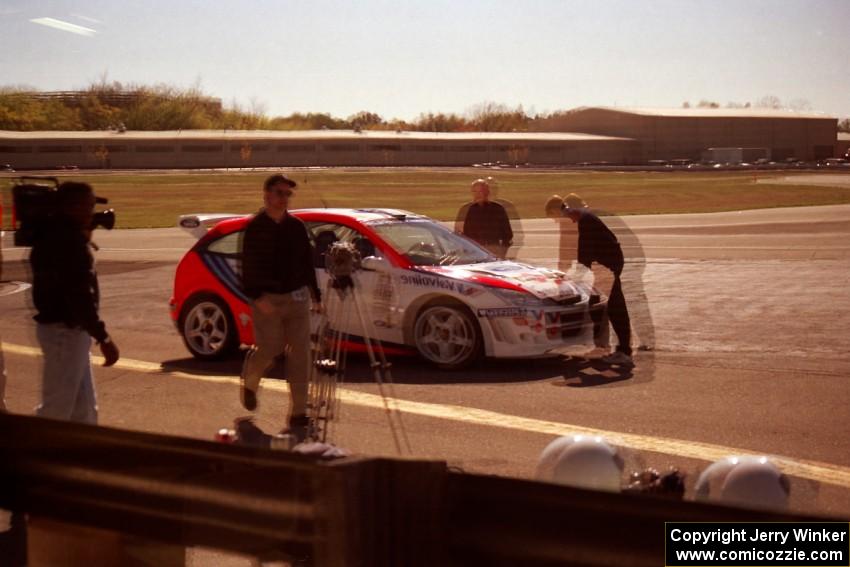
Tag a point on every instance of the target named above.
point(426, 243)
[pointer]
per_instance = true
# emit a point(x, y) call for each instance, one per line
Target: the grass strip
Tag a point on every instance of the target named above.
point(155, 199)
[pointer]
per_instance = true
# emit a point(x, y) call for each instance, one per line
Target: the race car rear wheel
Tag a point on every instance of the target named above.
point(447, 335)
point(207, 328)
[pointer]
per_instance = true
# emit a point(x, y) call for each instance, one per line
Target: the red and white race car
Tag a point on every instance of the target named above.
point(428, 290)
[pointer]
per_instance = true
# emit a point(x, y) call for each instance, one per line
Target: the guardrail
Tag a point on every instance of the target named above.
point(190, 492)
point(354, 511)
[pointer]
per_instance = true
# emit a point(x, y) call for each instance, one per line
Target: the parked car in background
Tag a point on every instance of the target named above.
point(834, 163)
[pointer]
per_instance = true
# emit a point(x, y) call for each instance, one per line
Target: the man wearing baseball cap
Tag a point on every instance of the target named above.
point(279, 277)
point(66, 295)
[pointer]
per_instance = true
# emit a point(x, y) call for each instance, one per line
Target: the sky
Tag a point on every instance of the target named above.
point(401, 58)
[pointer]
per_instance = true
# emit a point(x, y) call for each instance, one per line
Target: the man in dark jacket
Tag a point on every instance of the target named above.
point(66, 295)
point(486, 221)
point(278, 276)
point(596, 243)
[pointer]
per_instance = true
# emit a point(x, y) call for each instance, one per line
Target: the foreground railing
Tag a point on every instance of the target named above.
point(355, 511)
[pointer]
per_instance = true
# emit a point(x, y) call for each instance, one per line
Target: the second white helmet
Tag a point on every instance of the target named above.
point(748, 481)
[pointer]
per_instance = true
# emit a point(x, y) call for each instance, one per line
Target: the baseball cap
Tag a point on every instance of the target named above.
point(279, 178)
point(70, 190)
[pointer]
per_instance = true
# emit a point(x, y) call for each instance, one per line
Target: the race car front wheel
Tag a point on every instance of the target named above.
point(207, 328)
point(447, 335)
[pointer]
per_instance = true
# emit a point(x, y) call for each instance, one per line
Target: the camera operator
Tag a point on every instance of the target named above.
point(66, 295)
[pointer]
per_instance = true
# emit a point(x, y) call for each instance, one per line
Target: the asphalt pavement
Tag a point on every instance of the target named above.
point(749, 312)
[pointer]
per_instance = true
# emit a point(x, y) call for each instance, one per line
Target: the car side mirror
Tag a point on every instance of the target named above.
point(375, 264)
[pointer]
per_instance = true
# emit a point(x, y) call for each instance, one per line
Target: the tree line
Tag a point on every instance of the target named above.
point(116, 106)
point(105, 106)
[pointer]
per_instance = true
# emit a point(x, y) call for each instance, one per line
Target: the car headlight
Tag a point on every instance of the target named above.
point(519, 298)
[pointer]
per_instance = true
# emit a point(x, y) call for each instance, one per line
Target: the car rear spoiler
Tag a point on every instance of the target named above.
point(198, 225)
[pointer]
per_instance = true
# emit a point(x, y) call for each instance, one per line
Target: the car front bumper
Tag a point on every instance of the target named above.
point(532, 333)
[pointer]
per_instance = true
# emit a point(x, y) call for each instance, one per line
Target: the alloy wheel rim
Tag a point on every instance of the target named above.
point(444, 335)
point(206, 328)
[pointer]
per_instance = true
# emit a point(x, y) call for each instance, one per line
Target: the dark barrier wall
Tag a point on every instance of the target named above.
point(358, 511)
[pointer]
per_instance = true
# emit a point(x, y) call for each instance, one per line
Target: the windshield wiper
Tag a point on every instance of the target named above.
point(449, 258)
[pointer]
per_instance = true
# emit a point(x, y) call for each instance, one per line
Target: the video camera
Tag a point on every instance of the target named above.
point(36, 203)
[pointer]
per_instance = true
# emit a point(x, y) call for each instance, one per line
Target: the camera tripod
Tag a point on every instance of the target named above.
point(343, 307)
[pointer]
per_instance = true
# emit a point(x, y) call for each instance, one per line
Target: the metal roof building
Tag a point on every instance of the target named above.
point(684, 133)
point(587, 134)
point(208, 148)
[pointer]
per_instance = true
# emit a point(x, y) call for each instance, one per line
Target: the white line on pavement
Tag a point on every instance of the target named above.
point(813, 470)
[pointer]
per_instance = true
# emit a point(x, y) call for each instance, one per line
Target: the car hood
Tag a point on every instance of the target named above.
point(543, 283)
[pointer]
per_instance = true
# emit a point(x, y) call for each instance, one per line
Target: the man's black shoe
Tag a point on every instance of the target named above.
point(249, 398)
point(299, 426)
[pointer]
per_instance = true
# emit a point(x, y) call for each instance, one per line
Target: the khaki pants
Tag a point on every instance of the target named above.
point(285, 329)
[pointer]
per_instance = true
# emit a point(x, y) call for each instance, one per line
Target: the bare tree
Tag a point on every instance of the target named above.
point(364, 119)
point(494, 117)
point(769, 101)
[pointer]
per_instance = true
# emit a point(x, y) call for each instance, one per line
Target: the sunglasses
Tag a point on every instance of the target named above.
point(282, 192)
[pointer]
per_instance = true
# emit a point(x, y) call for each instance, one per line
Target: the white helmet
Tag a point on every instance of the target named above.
point(581, 461)
point(748, 481)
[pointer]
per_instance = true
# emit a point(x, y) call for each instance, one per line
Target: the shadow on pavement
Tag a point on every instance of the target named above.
point(412, 370)
point(572, 372)
point(588, 372)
